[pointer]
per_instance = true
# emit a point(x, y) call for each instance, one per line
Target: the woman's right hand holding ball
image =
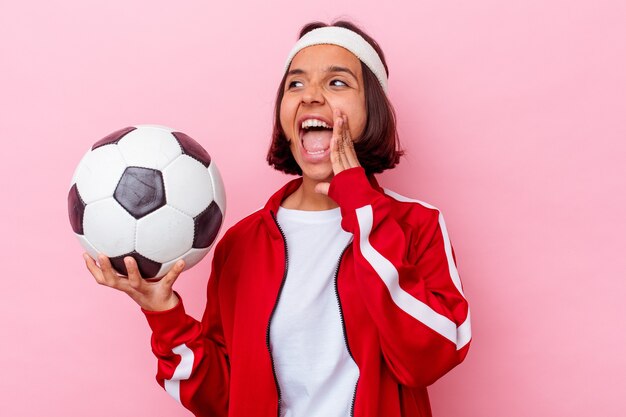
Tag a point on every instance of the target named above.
point(150, 295)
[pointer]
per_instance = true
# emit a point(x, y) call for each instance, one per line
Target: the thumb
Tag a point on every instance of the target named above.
point(172, 275)
point(322, 188)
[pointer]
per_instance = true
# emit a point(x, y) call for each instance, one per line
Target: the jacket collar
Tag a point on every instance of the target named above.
point(274, 201)
point(271, 207)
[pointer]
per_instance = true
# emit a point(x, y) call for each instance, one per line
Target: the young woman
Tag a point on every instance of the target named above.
point(339, 297)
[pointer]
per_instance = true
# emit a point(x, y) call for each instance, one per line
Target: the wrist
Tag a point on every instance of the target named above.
point(351, 189)
point(167, 322)
point(168, 304)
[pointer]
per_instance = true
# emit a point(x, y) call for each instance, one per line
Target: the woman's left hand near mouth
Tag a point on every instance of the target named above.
point(342, 154)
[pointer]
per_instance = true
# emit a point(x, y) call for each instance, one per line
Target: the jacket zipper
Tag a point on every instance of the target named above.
point(280, 290)
point(343, 326)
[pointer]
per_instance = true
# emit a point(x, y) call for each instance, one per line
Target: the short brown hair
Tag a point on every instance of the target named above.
point(378, 147)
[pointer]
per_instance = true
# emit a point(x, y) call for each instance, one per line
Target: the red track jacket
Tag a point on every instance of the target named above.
point(406, 321)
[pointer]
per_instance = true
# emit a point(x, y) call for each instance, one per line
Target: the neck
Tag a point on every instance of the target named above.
point(305, 198)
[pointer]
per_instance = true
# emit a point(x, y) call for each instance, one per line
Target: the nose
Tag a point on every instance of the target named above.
point(312, 94)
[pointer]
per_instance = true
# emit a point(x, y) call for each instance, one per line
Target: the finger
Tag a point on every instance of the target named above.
point(173, 274)
point(351, 159)
point(134, 276)
point(342, 144)
point(335, 140)
point(109, 274)
point(93, 268)
point(322, 188)
point(111, 277)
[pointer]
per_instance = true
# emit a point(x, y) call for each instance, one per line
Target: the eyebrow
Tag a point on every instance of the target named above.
point(336, 68)
point(332, 68)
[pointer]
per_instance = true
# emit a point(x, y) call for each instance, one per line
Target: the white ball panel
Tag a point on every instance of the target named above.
point(161, 127)
point(188, 185)
point(109, 228)
point(99, 172)
point(219, 195)
point(164, 234)
point(192, 257)
point(89, 248)
point(149, 147)
point(78, 168)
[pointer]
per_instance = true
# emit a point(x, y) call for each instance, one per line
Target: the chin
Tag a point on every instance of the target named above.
point(320, 174)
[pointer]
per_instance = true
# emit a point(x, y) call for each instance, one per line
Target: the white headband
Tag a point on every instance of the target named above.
point(353, 42)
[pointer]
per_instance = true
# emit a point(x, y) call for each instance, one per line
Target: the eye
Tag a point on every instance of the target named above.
point(294, 84)
point(338, 83)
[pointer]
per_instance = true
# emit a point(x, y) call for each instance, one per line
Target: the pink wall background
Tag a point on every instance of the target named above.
point(513, 116)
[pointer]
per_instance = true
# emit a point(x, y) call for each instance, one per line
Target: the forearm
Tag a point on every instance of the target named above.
point(408, 280)
point(192, 367)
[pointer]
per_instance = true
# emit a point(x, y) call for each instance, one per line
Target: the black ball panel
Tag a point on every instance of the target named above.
point(147, 268)
point(113, 137)
point(76, 210)
point(207, 225)
point(140, 191)
point(192, 148)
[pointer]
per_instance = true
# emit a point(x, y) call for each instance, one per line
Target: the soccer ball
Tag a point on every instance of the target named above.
point(148, 192)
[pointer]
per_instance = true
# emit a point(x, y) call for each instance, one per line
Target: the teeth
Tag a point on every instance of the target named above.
point(316, 152)
point(308, 123)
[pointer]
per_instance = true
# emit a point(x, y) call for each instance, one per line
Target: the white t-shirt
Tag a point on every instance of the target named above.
point(316, 375)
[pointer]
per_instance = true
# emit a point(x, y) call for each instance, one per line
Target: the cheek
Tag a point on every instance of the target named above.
point(354, 108)
point(286, 119)
point(358, 126)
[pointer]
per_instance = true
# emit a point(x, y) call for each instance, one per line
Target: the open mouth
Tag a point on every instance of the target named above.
point(315, 136)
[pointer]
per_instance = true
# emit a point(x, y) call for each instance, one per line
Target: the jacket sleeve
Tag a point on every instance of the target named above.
point(408, 280)
point(193, 363)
